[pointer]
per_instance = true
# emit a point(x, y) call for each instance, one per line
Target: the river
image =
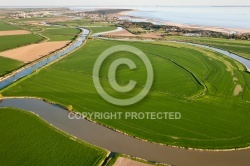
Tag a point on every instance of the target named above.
point(116, 142)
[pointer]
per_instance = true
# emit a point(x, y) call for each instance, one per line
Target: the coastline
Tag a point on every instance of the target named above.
point(228, 30)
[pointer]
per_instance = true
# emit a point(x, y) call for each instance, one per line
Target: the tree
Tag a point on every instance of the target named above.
point(70, 107)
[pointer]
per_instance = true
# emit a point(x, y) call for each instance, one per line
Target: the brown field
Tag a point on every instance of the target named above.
point(34, 51)
point(14, 32)
point(125, 33)
point(121, 161)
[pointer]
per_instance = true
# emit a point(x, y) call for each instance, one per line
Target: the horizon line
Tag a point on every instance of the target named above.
point(63, 6)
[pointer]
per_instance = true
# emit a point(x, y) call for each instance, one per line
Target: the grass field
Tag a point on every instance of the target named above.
point(83, 22)
point(61, 34)
point(240, 47)
point(31, 141)
point(7, 65)
point(7, 27)
point(101, 29)
point(200, 84)
point(14, 41)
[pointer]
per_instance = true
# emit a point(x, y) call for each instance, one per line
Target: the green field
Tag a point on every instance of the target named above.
point(240, 47)
point(61, 34)
point(7, 65)
point(211, 92)
point(7, 27)
point(83, 22)
point(31, 141)
point(13, 41)
point(101, 29)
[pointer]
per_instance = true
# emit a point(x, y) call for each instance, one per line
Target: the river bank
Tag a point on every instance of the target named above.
point(117, 142)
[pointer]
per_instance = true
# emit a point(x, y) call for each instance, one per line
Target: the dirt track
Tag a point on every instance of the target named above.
point(34, 51)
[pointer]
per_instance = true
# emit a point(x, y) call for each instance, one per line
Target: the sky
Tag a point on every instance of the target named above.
point(124, 2)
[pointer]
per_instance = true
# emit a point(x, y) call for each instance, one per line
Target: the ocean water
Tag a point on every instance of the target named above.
point(224, 17)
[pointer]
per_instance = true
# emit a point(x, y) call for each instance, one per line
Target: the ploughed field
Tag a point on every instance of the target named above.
point(27, 47)
point(29, 140)
point(13, 41)
point(211, 92)
point(240, 47)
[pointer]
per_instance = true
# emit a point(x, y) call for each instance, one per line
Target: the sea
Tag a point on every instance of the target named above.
point(224, 17)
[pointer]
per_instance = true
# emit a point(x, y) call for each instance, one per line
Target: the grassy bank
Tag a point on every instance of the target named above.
point(31, 141)
point(200, 84)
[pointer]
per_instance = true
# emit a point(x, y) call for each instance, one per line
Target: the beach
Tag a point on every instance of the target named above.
point(225, 29)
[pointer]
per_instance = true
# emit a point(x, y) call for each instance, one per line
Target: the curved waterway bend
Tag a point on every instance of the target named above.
point(116, 142)
point(30, 69)
point(244, 61)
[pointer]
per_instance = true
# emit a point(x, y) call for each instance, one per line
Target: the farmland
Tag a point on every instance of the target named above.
point(83, 22)
point(101, 29)
point(190, 80)
point(61, 34)
point(31, 141)
point(10, 42)
point(7, 65)
point(14, 41)
point(239, 47)
point(7, 27)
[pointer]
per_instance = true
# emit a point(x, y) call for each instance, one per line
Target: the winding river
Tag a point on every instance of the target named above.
point(116, 142)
